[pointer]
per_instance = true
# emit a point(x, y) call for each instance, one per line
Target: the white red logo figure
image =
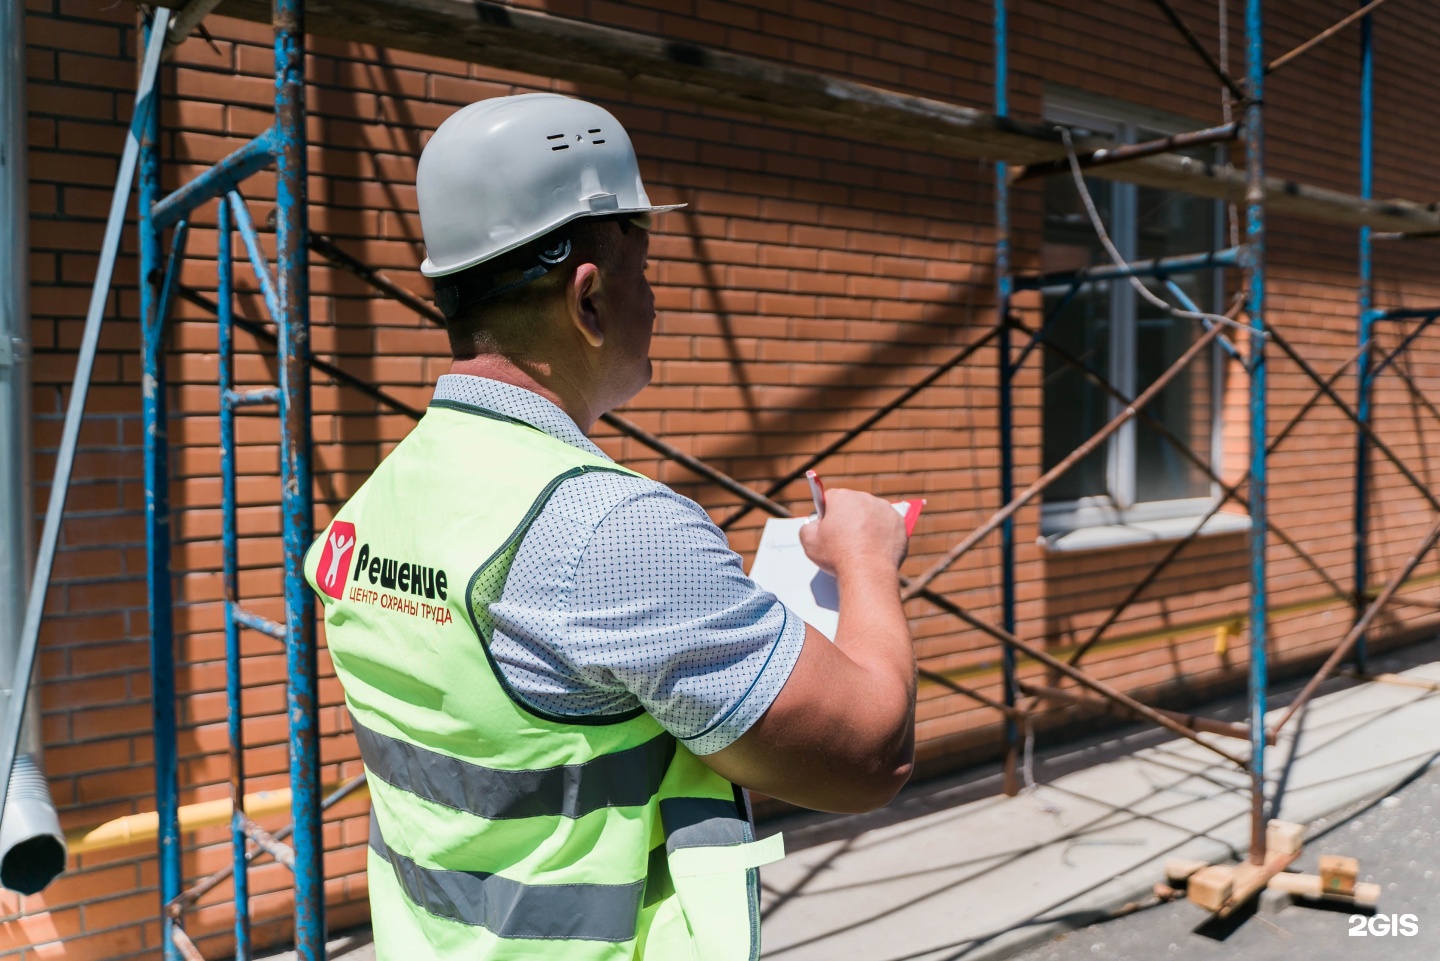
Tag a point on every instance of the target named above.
point(334, 569)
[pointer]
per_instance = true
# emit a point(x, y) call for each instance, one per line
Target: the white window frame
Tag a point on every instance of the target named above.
point(1116, 518)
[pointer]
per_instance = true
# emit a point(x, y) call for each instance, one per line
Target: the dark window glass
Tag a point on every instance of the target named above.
point(1127, 340)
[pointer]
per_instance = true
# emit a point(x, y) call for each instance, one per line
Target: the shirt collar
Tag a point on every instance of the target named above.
point(517, 403)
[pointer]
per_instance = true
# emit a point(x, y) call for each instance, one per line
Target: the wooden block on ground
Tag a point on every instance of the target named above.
point(1210, 886)
point(1251, 879)
point(1338, 874)
point(1299, 885)
point(1248, 878)
point(1311, 888)
point(1284, 837)
point(1178, 869)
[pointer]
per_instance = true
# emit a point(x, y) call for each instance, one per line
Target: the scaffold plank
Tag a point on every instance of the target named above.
point(564, 49)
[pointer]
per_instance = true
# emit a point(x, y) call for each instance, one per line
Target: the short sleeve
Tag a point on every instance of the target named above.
point(625, 595)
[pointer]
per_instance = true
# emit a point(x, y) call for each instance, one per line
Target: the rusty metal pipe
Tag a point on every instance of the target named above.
point(937, 678)
point(1184, 450)
point(1228, 492)
point(1343, 648)
point(1322, 36)
point(269, 843)
point(1075, 674)
point(1104, 156)
point(184, 945)
point(1349, 412)
point(1205, 725)
point(1070, 460)
point(1418, 602)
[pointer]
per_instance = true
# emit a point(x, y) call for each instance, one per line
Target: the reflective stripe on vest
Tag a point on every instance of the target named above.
point(692, 822)
point(623, 779)
point(510, 909)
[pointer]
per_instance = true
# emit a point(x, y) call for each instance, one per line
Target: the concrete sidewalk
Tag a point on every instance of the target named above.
point(954, 871)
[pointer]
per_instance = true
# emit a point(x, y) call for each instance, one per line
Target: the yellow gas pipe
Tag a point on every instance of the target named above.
point(133, 828)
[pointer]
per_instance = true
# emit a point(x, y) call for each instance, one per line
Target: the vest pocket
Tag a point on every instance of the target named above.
point(717, 887)
point(667, 934)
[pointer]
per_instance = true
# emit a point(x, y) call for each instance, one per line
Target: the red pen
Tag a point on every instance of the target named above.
point(817, 492)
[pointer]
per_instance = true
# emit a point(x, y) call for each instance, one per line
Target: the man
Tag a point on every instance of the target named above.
point(557, 669)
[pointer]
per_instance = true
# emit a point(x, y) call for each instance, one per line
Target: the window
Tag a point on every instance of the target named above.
point(1136, 476)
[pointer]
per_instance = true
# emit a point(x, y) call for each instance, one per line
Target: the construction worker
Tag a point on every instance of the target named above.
point(557, 670)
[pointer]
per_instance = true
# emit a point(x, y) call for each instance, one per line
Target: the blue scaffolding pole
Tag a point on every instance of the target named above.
point(1254, 264)
point(286, 295)
point(225, 340)
point(1367, 372)
point(297, 505)
point(1067, 284)
point(1003, 292)
point(153, 307)
point(1365, 332)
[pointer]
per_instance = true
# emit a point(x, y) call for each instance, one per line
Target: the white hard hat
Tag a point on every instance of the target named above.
point(506, 171)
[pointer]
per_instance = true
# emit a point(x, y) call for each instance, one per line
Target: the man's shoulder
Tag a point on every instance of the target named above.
point(612, 498)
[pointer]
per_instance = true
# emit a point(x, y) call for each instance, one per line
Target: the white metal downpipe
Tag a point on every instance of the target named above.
point(32, 846)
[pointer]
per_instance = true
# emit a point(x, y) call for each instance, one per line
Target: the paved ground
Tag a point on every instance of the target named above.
point(952, 871)
point(1396, 838)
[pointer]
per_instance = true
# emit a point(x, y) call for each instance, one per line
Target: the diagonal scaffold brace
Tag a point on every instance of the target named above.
point(1068, 462)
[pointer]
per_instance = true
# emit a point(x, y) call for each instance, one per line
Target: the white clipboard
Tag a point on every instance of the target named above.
point(782, 568)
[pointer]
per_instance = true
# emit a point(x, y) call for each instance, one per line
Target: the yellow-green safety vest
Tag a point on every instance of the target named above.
point(497, 831)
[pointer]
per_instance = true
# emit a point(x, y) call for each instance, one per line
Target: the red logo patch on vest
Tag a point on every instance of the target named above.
point(334, 569)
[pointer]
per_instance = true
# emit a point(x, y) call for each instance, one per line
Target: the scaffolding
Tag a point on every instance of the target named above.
point(519, 39)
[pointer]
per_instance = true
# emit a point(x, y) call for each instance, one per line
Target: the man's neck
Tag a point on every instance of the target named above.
point(506, 371)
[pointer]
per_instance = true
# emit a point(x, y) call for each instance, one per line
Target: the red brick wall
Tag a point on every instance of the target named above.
point(812, 278)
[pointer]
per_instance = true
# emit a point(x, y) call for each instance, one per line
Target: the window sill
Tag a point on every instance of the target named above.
point(1102, 536)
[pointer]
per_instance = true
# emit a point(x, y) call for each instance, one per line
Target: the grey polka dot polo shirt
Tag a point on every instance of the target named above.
point(624, 594)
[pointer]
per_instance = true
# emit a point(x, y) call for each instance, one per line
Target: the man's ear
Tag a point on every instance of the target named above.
point(580, 300)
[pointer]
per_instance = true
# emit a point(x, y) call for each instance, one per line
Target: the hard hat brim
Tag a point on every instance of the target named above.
point(429, 268)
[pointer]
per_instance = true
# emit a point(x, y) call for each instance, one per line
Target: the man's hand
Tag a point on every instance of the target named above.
point(840, 736)
point(858, 531)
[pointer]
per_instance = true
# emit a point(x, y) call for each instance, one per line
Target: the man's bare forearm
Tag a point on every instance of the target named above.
point(873, 630)
point(875, 634)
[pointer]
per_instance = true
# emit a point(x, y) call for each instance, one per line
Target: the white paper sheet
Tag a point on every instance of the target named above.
point(782, 568)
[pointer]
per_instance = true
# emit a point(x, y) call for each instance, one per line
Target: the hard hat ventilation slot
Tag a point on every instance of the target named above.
point(563, 146)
